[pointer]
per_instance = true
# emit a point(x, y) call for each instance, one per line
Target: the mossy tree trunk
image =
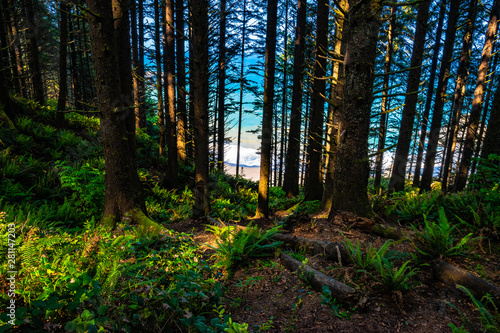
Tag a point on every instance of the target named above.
point(124, 199)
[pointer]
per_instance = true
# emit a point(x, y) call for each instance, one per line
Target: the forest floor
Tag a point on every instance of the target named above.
point(270, 298)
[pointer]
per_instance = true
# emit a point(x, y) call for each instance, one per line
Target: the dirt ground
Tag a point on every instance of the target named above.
point(270, 298)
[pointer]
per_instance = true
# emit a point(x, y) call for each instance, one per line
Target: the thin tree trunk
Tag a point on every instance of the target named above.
point(437, 115)
point(314, 189)
point(222, 87)
point(181, 83)
point(492, 137)
point(334, 107)
point(15, 41)
point(385, 100)
point(430, 93)
point(199, 92)
point(486, 108)
point(140, 68)
point(75, 73)
point(63, 73)
point(303, 162)
point(34, 56)
point(398, 176)
point(352, 165)
point(171, 131)
point(477, 102)
point(159, 88)
point(240, 110)
point(267, 113)
point(135, 63)
point(284, 112)
point(292, 160)
point(458, 99)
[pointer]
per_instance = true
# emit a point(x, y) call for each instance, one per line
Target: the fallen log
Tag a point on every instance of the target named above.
point(333, 251)
point(453, 275)
point(317, 279)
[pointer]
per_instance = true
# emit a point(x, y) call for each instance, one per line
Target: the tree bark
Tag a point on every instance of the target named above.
point(159, 86)
point(199, 92)
point(63, 73)
point(171, 131)
point(458, 98)
point(477, 102)
point(317, 279)
point(314, 189)
point(454, 276)
point(351, 166)
point(292, 160)
point(181, 83)
point(398, 176)
point(267, 113)
point(437, 115)
point(430, 92)
point(124, 199)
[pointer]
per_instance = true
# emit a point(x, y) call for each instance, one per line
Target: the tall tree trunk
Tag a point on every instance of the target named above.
point(292, 160)
point(221, 140)
point(334, 107)
point(159, 86)
point(170, 94)
point(268, 109)
point(6, 111)
point(398, 176)
point(75, 73)
point(424, 121)
point(484, 117)
point(124, 199)
point(284, 113)
point(15, 43)
point(352, 165)
point(181, 82)
point(458, 98)
point(314, 189)
point(477, 102)
point(140, 68)
point(385, 100)
point(437, 115)
point(135, 63)
point(240, 110)
point(34, 57)
point(63, 54)
point(492, 136)
point(199, 92)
